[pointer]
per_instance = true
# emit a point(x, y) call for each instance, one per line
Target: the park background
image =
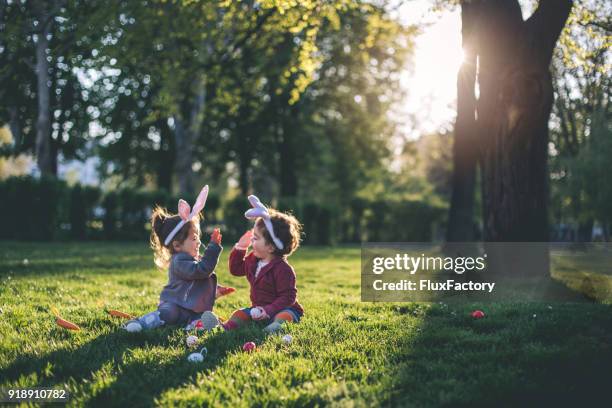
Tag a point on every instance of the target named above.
point(370, 120)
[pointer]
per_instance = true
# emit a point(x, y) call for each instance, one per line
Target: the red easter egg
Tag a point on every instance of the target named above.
point(478, 314)
point(249, 346)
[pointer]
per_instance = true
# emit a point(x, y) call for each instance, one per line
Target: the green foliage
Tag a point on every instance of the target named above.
point(345, 131)
point(293, 90)
point(319, 222)
point(201, 69)
point(586, 36)
point(133, 217)
point(581, 124)
point(69, 53)
point(402, 221)
point(32, 209)
point(235, 224)
point(82, 202)
point(110, 219)
point(124, 214)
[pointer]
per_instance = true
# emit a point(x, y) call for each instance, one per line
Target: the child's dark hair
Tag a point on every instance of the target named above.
point(162, 223)
point(286, 228)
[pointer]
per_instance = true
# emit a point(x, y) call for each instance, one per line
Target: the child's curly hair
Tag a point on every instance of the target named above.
point(162, 223)
point(286, 228)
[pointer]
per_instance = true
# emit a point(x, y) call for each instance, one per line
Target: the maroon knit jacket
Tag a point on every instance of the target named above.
point(274, 289)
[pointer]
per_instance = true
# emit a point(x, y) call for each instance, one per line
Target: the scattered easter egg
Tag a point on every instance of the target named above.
point(249, 346)
point(256, 313)
point(191, 341)
point(195, 358)
point(478, 314)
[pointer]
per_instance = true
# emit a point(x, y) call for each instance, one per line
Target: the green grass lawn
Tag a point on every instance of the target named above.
point(344, 352)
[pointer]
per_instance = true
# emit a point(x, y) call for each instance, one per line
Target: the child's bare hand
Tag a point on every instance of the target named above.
point(216, 236)
point(245, 240)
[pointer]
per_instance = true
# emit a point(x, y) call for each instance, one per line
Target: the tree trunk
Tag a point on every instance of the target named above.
point(244, 153)
point(513, 111)
point(167, 156)
point(184, 156)
point(186, 133)
point(461, 213)
point(43, 122)
point(585, 230)
point(287, 156)
point(15, 126)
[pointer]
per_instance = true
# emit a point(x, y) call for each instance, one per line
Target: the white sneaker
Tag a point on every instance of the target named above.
point(210, 320)
point(273, 327)
point(133, 327)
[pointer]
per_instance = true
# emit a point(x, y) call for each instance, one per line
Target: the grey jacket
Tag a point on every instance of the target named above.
point(192, 284)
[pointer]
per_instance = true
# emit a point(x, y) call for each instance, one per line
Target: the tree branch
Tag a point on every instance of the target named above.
point(545, 25)
point(604, 25)
point(240, 42)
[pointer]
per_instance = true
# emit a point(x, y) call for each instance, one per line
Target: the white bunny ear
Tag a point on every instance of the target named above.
point(186, 213)
point(258, 210)
point(256, 213)
point(200, 201)
point(255, 201)
point(183, 209)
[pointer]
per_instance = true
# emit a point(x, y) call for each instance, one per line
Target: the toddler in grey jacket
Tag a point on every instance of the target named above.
point(192, 284)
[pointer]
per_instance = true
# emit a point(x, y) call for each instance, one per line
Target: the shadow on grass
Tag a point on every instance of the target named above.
point(139, 384)
point(135, 383)
point(523, 354)
point(78, 363)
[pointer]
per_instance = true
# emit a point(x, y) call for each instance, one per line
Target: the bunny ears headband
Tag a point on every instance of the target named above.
point(186, 213)
point(260, 210)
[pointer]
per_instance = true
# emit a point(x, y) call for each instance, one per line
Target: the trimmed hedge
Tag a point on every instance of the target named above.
point(32, 209)
point(48, 209)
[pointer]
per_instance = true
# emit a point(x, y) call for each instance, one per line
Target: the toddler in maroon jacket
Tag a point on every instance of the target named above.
point(275, 236)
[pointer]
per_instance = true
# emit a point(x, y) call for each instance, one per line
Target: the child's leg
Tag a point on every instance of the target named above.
point(166, 313)
point(148, 321)
point(282, 317)
point(170, 313)
point(238, 318)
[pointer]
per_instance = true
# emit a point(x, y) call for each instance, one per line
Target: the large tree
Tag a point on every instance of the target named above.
point(513, 110)
point(509, 120)
point(43, 44)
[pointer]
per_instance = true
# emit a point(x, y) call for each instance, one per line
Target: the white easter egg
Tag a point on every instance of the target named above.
point(191, 340)
point(287, 338)
point(195, 358)
point(255, 313)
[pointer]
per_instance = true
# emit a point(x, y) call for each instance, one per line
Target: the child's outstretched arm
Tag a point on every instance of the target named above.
point(187, 268)
point(237, 265)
